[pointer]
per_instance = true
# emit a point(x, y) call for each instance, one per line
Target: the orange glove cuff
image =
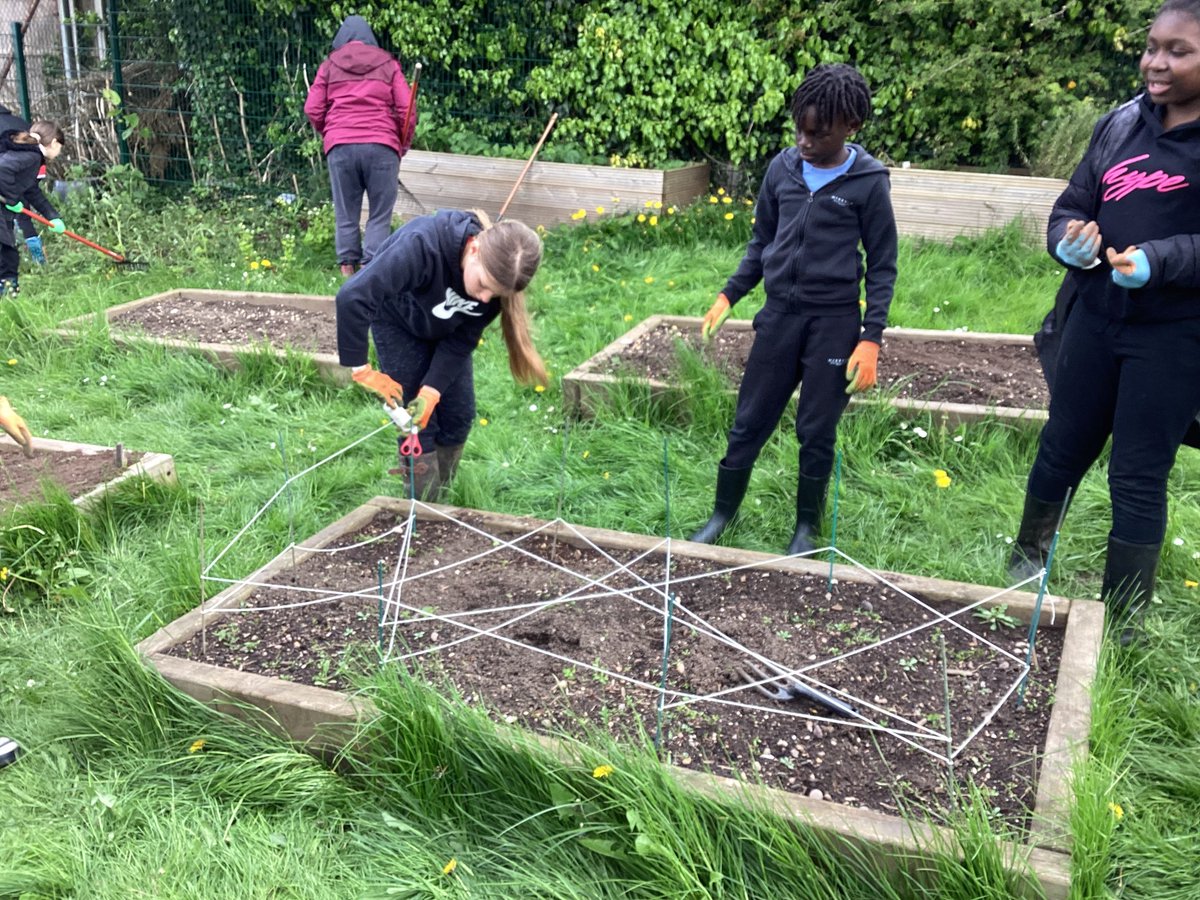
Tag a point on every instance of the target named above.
point(381, 384)
point(422, 408)
point(862, 367)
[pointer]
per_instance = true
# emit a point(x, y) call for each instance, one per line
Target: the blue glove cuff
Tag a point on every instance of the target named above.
point(1140, 274)
point(1078, 253)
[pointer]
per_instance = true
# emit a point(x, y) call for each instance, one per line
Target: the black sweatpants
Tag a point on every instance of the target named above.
point(788, 350)
point(1139, 382)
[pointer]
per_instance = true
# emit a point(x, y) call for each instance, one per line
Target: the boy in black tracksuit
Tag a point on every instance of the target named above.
point(1129, 365)
point(819, 201)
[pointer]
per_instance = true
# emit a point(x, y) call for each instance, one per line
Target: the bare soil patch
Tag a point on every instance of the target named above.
point(209, 321)
point(953, 370)
point(563, 648)
point(74, 471)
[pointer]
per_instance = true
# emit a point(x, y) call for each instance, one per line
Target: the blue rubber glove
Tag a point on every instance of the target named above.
point(35, 249)
point(57, 226)
point(1080, 251)
point(17, 207)
point(1131, 269)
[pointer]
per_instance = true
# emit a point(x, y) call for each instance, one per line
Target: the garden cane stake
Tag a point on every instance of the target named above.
point(112, 254)
point(532, 157)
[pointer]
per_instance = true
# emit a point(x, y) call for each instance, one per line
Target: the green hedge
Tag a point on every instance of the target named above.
point(988, 83)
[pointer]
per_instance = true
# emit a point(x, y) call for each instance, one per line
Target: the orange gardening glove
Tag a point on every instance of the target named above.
point(715, 317)
point(422, 408)
point(862, 366)
point(16, 427)
point(381, 384)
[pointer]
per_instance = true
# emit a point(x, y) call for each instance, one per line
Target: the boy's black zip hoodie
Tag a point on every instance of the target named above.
point(805, 245)
point(416, 279)
point(1141, 184)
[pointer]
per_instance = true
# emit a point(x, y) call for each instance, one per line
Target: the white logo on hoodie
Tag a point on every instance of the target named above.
point(455, 303)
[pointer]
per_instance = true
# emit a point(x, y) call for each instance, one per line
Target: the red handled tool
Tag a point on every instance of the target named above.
point(524, 171)
point(411, 445)
point(112, 254)
point(406, 132)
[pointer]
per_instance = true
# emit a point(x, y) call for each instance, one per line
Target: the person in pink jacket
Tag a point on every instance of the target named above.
point(358, 103)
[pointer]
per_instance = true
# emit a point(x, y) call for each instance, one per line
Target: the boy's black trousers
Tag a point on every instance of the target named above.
point(791, 349)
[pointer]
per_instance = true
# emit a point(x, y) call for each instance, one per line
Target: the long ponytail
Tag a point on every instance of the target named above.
point(510, 253)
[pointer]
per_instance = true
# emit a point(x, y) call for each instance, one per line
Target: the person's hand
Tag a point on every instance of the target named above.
point(381, 384)
point(422, 408)
point(1130, 268)
point(17, 207)
point(15, 426)
point(57, 226)
point(715, 317)
point(1080, 244)
point(862, 366)
point(35, 249)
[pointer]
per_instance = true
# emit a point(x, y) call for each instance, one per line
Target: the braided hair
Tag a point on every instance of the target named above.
point(835, 91)
point(1189, 7)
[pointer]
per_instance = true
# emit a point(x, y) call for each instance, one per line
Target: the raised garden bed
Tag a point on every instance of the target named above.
point(225, 325)
point(543, 625)
point(84, 471)
point(956, 376)
point(550, 193)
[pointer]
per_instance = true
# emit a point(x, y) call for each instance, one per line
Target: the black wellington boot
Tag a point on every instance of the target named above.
point(810, 505)
point(448, 458)
point(1032, 546)
point(1129, 575)
point(731, 489)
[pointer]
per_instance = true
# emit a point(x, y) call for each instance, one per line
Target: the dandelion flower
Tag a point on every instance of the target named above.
point(599, 210)
point(3, 573)
point(586, 454)
point(540, 389)
point(941, 478)
point(1071, 85)
point(602, 771)
point(721, 191)
point(254, 264)
point(713, 200)
point(197, 746)
point(670, 210)
point(1187, 583)
point(1115, 809)
point(13, 361)
point(728, 216)
point(641, 217)
point(450, 866)
point(606, 475)
point(653, 220)
point(726, 199)
point(595, 268)
point(578, 214)
point(649, 279)
point(266, 264)
point(483, 423)
point(628, 317)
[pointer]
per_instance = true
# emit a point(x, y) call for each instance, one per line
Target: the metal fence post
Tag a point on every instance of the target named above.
point(18, 42)
point(114, 40)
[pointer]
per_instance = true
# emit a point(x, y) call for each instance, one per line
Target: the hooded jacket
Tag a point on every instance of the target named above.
point(19, 165)
point(360, 95)
point(1141, 184)
point(805, 245)
point(416, 280)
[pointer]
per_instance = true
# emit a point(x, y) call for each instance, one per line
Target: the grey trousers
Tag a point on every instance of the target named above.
point(355, 169)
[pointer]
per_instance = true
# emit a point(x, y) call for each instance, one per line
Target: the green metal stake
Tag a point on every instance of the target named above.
point(379, 620)
point(837, 480)
point(670, 618)
point(1037, 607)
point(114, 50)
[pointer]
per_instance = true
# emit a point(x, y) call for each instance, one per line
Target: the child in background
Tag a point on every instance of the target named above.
point(22, 155)
point(1129, 364)
point(9, 121)
point(820, 201)
point(432, 289)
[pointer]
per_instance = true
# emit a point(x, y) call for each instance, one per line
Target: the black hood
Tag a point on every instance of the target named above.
point(355, 28)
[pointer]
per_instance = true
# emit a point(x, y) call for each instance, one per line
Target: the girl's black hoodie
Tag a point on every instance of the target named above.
point(415, 279)
point(1141, 184)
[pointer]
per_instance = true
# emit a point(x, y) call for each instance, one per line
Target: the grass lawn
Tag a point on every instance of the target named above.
point(431, 801)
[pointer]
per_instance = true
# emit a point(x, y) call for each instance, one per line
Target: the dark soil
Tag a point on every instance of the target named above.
point(74, 471)
point(604, 644)
point(209, 321)
point(950, 371)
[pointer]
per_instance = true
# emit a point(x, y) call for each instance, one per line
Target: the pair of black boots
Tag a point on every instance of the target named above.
point(1130, 570)
point(731, 490)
